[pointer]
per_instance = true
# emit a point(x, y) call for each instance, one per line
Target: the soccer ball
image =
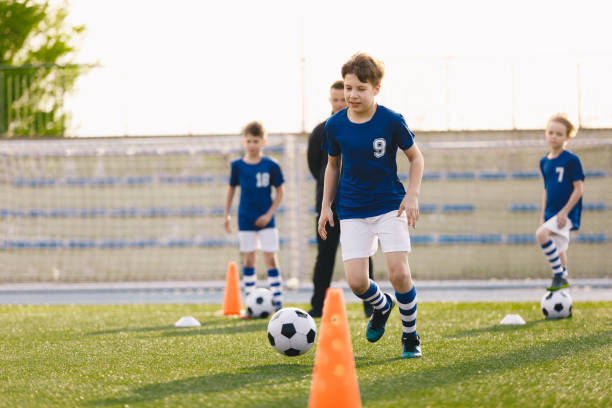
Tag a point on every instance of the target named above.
point(292, 331)
point(557, 304)
point(259, 303)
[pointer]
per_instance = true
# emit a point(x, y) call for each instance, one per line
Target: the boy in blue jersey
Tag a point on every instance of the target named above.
point(372, 204)
point(562, 198)
point(256, 174)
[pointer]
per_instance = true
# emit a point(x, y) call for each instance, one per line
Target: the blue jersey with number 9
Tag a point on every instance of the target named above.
point(255, 181)
point(369, 185)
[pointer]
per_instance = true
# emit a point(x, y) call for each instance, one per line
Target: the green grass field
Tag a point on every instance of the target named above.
point(133, 356)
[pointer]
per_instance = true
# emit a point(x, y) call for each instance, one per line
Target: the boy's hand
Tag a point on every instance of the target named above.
point(327, 216)
point(410, 204)
point(263, 220)
point(561, 219)
point(226, 224)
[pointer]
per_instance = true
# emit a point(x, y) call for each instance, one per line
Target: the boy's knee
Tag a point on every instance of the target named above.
point(542, 235)
point(359, 286)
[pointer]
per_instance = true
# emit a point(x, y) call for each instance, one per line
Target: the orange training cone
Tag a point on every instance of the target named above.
point(334, 379)
point(232, 301)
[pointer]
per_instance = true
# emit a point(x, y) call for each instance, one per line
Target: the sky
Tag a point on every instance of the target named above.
point(202, 67)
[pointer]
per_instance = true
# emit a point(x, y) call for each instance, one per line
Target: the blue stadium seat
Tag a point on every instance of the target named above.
point(458, 208)
point(597, 238)
point(521, 239)
point(464, 175)
point(524, 207)
point(594, 173)
point(422, 239)
point(493, 175)
point(526, 175)
point(471, 239)
point(598, 206)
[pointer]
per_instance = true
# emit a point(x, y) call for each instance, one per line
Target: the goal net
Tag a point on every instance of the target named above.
point(148, 209)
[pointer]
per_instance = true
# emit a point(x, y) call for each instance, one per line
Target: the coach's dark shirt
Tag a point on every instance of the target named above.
point(317, 160)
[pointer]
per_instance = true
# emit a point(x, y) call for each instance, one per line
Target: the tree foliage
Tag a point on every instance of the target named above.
point(37, 47)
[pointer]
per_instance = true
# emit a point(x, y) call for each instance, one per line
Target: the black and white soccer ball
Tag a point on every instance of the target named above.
point(260, 303)
point(557, 304)
point(292, 331)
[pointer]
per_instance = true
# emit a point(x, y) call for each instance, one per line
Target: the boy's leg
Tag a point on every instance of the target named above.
point(248, 245)
point(249, 278)
point(405, 293)
point(367, 308)
point(269, 245)
point(369, 291)
point(553, 255)
point(274, 279)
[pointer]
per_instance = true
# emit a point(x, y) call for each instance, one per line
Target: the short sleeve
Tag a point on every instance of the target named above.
point(576, 169)
point(330, 144)
point(276, 175)
point(234, 181)
point(401, 134)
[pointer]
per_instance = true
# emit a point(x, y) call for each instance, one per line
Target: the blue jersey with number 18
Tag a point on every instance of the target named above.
point(369, 185)
point(559, 175)
point(255, 181)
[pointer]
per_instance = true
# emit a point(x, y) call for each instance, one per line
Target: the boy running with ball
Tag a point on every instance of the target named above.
point(372, 202)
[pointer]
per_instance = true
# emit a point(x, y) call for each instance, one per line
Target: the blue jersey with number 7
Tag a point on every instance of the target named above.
point(559, 175)
point(369, 185)
point(255, 181)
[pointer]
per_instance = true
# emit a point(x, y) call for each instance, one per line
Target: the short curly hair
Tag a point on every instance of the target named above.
point(254, 128)
point(365, 67)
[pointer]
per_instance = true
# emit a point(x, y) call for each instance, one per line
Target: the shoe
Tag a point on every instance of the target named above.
point(411, 347)
point(558, 282)
point(376, 325)
point(315, 313)
point(368, 309)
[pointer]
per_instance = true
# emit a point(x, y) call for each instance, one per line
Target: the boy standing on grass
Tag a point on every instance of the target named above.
point(372, 203)
point(561, 199)
point(256, 174)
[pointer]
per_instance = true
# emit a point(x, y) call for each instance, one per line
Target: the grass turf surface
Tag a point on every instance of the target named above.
point(118, 356)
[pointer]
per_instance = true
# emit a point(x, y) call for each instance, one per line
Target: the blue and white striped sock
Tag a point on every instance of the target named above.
point(249, 278)
point(275, 282)
point(407, 303)
point(551, 253)
point(375, 297)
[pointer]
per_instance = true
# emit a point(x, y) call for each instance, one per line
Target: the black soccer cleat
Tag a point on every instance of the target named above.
point(411, 347)
point(315, 312)
point(376, 325)
point(558, 282)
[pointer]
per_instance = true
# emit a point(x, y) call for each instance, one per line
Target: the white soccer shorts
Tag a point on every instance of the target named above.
point(560, 236)
point(359, 236)
point(265, 239)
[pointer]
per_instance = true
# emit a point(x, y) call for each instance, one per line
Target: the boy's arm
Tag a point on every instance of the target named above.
point(576, 194)
point(228, 204)
point(332, 174)
point(410, 203)
point(543, 207)
point(264, 219)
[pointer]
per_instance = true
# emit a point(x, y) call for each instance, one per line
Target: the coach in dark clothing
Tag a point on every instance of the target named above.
point(326, 250)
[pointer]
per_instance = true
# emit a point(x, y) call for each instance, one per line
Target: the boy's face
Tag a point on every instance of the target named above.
point(556, 135)
point(359, 95)
point(336, 98)
point(253, 144)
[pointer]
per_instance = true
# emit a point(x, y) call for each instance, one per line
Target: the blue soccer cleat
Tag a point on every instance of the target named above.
point(376, 325)
point(411, 347)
